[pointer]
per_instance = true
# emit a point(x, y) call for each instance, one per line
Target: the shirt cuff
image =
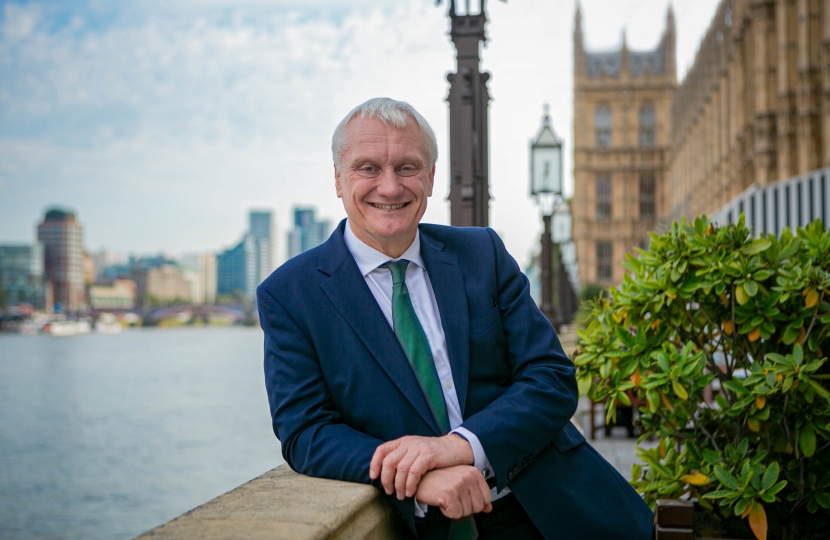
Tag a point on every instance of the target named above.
point(420, 509)
point(481, 462)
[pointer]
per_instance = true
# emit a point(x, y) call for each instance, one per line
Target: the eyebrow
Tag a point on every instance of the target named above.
point(404, 161)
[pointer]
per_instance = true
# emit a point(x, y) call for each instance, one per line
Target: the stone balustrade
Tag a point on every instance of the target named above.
point(282, 504)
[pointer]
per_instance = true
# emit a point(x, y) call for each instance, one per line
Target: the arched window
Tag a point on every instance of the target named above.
point(648, 122)
point(602, 125)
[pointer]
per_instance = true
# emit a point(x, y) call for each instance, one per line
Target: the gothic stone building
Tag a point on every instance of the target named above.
point(753, 109)
point(755, 106)
point(622, 136)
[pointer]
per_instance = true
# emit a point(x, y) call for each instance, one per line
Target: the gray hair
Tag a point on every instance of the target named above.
point(387, 111)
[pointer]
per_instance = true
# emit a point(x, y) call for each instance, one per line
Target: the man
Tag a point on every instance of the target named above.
point(412, 357)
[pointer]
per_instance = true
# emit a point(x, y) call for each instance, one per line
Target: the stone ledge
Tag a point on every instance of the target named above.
point(282, 504)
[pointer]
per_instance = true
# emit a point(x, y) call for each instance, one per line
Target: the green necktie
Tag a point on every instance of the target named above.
point(415, 345)
point(414, 342)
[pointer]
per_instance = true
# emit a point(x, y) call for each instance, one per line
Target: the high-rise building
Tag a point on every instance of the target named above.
point(261, 228)
point(104, 260)
point(240, 269)
point(61, 235)
point(21, 275)
point(622, 134)
point(201, 270)
point(308, 232)
point(236, 269)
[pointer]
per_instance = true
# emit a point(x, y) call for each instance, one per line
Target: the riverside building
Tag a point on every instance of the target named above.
point(747, 130)
point(61, 235)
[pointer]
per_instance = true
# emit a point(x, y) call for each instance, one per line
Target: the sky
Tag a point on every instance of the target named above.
point(162, 123)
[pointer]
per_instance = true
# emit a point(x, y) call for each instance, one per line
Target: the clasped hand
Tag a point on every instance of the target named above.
point(436, 471)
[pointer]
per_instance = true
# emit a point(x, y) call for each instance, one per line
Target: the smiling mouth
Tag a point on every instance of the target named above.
point(389, 206)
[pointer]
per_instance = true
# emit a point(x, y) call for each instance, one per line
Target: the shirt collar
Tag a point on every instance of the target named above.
point(368, 258)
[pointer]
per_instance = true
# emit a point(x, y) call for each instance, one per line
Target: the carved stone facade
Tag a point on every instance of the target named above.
point(755, 106)
point(622, 136)
point(753, 109)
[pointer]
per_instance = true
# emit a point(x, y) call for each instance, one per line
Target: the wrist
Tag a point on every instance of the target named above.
point(463, 448)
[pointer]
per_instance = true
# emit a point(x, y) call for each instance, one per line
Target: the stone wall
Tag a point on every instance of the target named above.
point(282, 504)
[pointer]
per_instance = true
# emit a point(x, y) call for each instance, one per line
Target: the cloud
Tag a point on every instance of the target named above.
point(162, 122)
point(160, 117)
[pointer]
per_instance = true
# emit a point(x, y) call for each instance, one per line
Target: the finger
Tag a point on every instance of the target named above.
point(404, 458)
point(484, 489)
point(453, 508)
point(400, 483)
point(416, 471)
point(380, 454)
point(487, 508)
point(466, 503)
point(402, 476)
point(389, 469)
point(476, 499)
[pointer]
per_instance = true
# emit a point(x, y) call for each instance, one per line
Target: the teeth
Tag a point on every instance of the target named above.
point(388, 206)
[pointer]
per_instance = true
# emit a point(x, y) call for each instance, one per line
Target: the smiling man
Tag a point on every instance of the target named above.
point(412, 357)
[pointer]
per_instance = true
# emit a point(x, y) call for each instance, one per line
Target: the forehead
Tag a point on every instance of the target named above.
point(373, 136)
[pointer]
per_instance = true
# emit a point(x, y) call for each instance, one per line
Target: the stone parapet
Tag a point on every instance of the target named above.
point(282, 504)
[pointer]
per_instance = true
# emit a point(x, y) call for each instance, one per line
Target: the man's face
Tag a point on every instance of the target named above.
point(384, 180)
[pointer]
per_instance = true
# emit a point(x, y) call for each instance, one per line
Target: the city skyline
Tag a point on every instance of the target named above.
point(162, 125)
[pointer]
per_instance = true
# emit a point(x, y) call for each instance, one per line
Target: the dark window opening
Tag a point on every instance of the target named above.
point(602, 126)
point(647, 195)
point(603, 195)
point(604, 253)
point(648, 124)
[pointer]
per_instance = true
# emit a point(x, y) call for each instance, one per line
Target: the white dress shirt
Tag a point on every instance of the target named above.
point(379, 281)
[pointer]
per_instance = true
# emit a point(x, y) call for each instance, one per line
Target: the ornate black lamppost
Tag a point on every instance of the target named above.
point(546, 188)
point(468, 99)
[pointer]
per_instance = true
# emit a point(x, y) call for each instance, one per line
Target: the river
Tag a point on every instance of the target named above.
point(107, 436)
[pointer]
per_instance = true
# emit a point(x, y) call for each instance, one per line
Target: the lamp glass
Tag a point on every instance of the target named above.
point(547, 170)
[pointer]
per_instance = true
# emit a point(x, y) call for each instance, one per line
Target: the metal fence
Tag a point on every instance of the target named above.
point(792, 203)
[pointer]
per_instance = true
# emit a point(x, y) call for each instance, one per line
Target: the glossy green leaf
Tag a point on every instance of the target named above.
point(807, 441)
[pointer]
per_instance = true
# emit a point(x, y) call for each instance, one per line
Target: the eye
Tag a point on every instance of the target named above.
point(368, 170)
point(408, 170)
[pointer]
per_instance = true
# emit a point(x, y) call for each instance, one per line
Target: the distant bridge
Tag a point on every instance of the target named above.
point(201, 312)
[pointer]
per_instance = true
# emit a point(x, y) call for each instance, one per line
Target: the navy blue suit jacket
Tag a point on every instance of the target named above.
point(339, 383)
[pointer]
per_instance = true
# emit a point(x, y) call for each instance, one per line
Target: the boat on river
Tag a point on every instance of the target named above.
point(108, 324)
point(67, 328)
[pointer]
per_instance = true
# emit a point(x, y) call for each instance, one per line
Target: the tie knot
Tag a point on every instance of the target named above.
point(398, 269)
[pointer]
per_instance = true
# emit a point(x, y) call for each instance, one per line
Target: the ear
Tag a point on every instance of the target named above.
point(337, 186)
point(431, 181)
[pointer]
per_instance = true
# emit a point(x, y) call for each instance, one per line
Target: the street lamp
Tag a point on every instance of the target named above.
point(546, 188)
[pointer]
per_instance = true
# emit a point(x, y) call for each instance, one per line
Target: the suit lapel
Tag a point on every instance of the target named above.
point(448, 285)
point(347, 290)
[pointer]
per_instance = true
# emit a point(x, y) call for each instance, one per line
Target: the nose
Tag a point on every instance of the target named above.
point(389, 185)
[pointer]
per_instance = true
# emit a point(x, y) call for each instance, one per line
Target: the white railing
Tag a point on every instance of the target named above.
point(792, 203)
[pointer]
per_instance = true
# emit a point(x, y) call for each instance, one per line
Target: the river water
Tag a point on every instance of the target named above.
point(107, 436)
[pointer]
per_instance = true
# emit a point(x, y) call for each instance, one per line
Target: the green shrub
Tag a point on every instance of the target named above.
point(587, 295)
point(715, 306)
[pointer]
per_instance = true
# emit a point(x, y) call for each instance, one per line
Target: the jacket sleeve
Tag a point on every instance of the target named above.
point(314, 440)
point(538, 405)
